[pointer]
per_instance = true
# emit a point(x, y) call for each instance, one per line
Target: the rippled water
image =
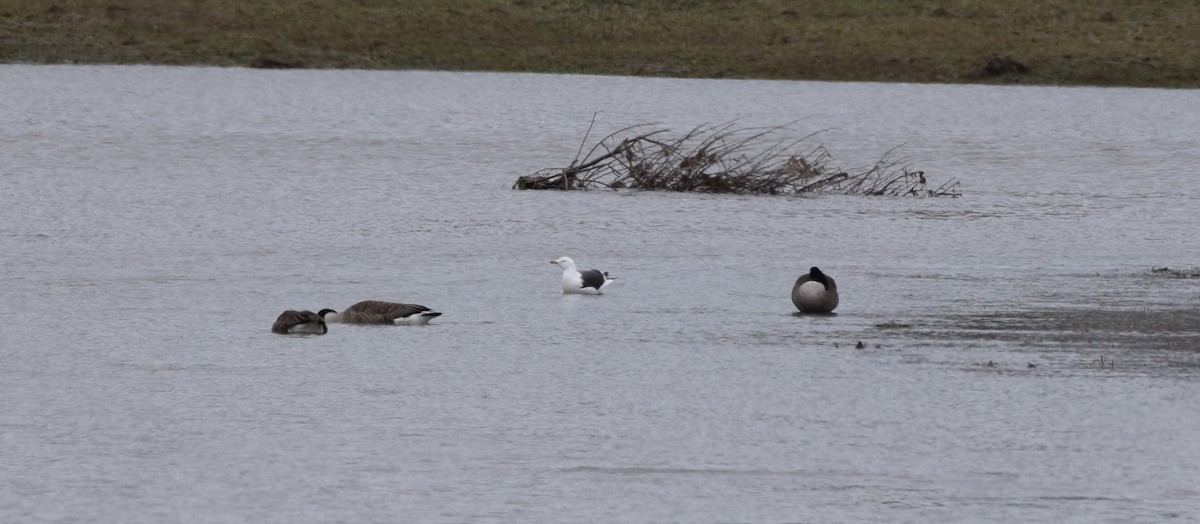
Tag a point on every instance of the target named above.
point(156, 220)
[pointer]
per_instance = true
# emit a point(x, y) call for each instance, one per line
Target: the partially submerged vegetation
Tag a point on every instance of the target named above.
point(727, 159)
point(1193, 272)
point(1070, 42)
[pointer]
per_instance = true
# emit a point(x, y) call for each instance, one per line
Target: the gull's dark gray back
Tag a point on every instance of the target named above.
point(592, 278)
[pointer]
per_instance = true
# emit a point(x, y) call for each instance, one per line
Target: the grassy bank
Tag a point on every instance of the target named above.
point(1068, 42)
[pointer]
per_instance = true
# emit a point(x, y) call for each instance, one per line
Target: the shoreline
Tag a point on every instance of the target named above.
point(487, 72)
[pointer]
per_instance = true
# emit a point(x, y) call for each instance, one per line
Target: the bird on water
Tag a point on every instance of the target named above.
point(306, 322)
point(590, 282)
point(815, 292)
point(381, 312)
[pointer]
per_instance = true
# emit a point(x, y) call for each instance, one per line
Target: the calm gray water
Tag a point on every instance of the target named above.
point(154, 221)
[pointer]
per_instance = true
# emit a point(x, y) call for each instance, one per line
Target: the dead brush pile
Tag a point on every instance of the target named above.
point(727, 159)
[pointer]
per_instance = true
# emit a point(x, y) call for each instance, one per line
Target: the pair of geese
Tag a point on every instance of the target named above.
point(365, 312)
point(814, 292)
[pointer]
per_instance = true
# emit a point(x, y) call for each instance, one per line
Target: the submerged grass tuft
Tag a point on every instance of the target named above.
point(1176, 273)
point(728, 159)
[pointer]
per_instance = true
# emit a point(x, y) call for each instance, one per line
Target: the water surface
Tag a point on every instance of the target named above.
point(156, 220)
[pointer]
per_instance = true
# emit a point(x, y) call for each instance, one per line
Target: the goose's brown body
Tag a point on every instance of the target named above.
point(381, 312)
point(292, 321)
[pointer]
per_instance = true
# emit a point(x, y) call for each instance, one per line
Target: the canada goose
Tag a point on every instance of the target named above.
point(588, 282)
point(815, 292)
point(292, 321)
point(380, 312)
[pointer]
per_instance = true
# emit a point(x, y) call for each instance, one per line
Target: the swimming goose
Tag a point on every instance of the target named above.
point(380, 312)
point(292, 321)
point(588, 282)
point(815, 292)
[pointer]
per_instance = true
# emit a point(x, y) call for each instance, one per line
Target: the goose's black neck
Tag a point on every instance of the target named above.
point(818, 276)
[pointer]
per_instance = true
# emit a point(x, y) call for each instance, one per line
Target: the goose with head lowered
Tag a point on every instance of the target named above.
point(815, 292)
point(590, 282)
point(304, 322)
point(381, 312)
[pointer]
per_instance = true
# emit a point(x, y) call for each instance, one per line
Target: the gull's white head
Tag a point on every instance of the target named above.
point(564, 262)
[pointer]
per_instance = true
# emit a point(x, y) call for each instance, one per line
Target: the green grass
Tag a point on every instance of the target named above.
point(1067, 42)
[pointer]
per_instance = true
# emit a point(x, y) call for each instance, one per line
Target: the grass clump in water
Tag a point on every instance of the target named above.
point(727, 159)
point(1176, 273)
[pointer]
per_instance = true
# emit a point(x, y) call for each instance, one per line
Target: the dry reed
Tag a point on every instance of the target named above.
point(725, 158)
